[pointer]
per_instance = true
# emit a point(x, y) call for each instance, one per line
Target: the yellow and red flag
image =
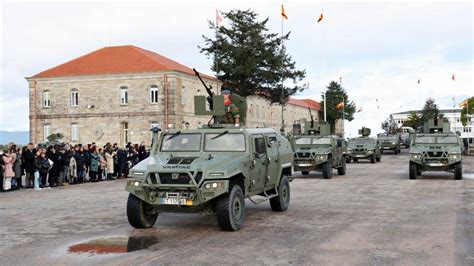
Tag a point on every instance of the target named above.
point(283, 14)
point(218, 18)
point(360, 110)
point(453, 78)
point(340, 105)
point(320, 17)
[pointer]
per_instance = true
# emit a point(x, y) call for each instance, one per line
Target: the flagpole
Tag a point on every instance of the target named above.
point(343, 115)
point(216, 54)
point(282, 129)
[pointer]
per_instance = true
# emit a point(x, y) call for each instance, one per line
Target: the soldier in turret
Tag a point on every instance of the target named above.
point(232, 114)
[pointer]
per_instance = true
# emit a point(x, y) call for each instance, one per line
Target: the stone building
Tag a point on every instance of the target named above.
point(116, 94)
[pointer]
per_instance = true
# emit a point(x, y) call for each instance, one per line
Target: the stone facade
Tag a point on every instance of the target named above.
point(101, 117)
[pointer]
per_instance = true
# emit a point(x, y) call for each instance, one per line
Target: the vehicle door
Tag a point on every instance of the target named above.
point(258, 172)
point(337, 157)
point(273, 167)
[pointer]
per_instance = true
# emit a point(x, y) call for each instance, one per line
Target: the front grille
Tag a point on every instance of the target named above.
point(181, 160)
point(435, 154)
point(303, 154)
point(198, 177)
point(175, 178)
point(359, 150)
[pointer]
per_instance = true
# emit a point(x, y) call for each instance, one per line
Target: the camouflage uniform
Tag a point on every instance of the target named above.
point(231, 113)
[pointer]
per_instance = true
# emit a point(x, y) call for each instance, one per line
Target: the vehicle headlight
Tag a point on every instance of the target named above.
point(215, 185)
point(393, 143)
point(415, 156)
point(454, 156)
point(370, 151)
point(134, 183)
point(320, 157)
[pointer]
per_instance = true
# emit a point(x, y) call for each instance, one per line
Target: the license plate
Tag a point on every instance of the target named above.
point(359, 156)
point(436, 164)
point(305, 165)
point(386, 148)
point(175, 201)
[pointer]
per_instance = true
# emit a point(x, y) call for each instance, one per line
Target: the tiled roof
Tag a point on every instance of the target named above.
point(116, 60)
point(305, 103)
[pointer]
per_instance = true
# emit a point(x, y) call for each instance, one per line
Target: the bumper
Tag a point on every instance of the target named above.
point(436, 164)
point(307, 165)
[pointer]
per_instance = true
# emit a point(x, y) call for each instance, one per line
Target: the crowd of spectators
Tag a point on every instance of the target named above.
point(63, 164)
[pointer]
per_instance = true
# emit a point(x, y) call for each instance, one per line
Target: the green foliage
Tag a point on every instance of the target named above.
point(390, 126)
point(56, 137)
point(464, 111)
point(249, 59)
point(430, 111)
point(334, 95)
point(414, 120)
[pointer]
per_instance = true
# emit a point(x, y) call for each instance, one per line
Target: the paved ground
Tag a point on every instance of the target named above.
point(372, 215)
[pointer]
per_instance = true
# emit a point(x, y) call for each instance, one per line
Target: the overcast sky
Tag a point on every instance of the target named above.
point(379, 49)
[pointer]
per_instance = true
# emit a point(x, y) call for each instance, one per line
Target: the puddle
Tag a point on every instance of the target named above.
point(114, 245)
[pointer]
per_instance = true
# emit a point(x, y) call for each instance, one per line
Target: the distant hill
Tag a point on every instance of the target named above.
point(18, 137)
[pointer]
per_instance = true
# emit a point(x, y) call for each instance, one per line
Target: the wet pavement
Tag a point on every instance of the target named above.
point(372, 215)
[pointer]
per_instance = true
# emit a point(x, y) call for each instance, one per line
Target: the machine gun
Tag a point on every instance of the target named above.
point(208, 89)
point(311, 116)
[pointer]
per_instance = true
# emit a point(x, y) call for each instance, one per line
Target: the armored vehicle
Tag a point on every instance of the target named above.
point(406, 136)
point(364, 147)
point(389, 142)
point(317, 150)
point(211, 170)
point(435, 148)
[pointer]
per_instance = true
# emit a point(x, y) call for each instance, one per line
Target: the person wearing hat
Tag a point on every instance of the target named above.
point(232, 114)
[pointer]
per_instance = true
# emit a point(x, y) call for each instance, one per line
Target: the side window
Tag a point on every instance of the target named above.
point(260, 146)
point(272, 140)
point(123, 95)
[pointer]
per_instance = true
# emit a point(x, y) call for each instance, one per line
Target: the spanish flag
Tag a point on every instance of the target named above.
point(283, 15)
point(340, 105)
point(360, 110)
point(320, 17)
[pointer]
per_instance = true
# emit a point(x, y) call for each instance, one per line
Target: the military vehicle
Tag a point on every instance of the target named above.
point(211, 170)
point(389, 141)
point(364, 147)
point(406, 136)
point(317, 150)
point(436, 148)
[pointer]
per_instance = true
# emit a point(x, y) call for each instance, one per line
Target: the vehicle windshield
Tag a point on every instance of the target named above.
point(448, 140)
point(425, 139)
point(313, 141)
point(181, 142)
point(389, 137)
point(361, 141)
point(443, 139)
point(227, 142)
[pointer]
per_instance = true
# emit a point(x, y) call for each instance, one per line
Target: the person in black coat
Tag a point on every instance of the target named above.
point(53, 155)
point(43, 167)
point(122, 159)
point(29, 163)
point(80, 160)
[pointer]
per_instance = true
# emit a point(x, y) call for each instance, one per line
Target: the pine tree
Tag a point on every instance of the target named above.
point(336, 94)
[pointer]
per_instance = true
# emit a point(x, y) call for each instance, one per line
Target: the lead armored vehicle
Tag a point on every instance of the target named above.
point(364, 147)
point(317, 150)
point(389, 142)
point(436, 148)
point(211, 170)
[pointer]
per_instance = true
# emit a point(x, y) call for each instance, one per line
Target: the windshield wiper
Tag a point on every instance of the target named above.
point(220, 135)
point(174, 135)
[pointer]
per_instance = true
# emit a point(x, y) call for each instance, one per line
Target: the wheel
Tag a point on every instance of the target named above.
point(399, 150)
point(413, 170)
point(327, 169)
point(356, 160)
point(458, 171)
point(139, 213)
point(281, 202)
point(342, 170)
point(378, 158)
point(305, 172)
point(372, 159)
point(230, 209)
point(348, 160)
point(396, 151)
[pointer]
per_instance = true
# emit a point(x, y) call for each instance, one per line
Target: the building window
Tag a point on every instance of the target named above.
point(124, 133)
point(154, 94)
point(123, 95)
point(183, 96)
point(46, 132)
point(74, 132)
point(74, 97)
point(46, 99)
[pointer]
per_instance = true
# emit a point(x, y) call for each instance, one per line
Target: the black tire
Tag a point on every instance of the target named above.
point(281, 202)
point(327, 169)
point(230, 209)
point(342, 170)
point(139, 213)
point(379, 158)
point(381, 151)
point(305, 172)
point(396, 151)
point(458, 171)
point(356, 160)
point(413, 171)
point(348, 160)
point(372, 159)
